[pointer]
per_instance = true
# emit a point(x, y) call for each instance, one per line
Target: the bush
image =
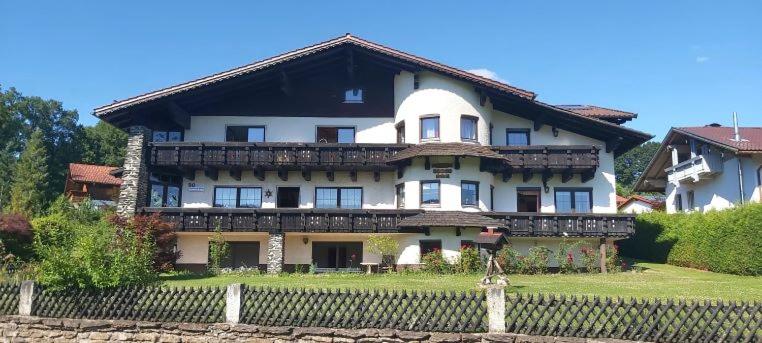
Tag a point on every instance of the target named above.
point(536, 262)
point(469, 261)
point(219, 249)
point(565, 257)
point(384, 245)
point(162, 233)
point(721, 241)
point(590, 259)
point(510, 260)
point(15, 236)
point(434, 262)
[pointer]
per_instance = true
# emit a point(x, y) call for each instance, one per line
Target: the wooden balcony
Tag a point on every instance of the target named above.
point(273, 156)
point(578, 158)
point(384, 221)
point(566, 225)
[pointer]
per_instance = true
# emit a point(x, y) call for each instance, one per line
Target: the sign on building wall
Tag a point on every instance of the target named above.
point(195, 187)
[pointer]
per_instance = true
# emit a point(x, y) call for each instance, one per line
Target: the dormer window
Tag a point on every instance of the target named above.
point(353, 96)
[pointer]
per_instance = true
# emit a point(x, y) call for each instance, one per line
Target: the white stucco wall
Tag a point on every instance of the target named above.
point(721, 191)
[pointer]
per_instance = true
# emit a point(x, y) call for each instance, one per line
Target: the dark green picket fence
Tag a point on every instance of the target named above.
point(576, 316)
point(401, 310)
point(643, 320)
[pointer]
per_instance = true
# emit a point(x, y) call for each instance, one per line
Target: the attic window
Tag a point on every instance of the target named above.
point(353, 96)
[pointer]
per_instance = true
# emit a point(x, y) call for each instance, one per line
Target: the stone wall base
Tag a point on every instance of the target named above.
point(35, 329)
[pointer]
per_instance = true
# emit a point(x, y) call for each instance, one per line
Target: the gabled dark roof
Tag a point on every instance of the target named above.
point(445, 149)
point(295, 54)
point(449, 218)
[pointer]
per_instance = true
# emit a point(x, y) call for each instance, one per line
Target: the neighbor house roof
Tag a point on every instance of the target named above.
point(620, 200)
point(599, 112)
point(88, 173)
point(751, 137)
point(650, 202)
point(449, 218)
point(445, 149)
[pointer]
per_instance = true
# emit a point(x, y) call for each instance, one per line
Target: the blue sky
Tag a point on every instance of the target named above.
point(676, 63)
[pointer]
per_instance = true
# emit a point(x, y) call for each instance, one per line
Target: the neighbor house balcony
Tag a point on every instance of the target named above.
point(701, 167)
point(309, 220)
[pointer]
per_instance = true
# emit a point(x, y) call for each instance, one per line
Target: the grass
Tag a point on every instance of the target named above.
point(654, 281)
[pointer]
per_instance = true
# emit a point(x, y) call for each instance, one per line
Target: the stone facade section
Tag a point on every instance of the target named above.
point(275, 253)
point(134, 189)
point(34, 329)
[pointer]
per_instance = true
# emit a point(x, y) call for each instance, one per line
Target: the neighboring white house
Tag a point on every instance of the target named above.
point(638, 204)
point(300, 157)
point(706, 168)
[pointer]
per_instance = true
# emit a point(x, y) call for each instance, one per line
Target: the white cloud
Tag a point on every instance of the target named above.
point(483, 72)
point(702, 59)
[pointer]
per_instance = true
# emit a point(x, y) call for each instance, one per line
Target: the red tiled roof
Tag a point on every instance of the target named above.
point(93, 174)
point(599, 112)
point(649, 202)
point(620, 200)
point(751, 137)
point(346, 39)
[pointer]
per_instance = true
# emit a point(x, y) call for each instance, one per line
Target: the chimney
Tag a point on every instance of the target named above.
point(737, 136)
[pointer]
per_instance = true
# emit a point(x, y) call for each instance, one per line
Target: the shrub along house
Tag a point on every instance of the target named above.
point(706, 168)
point(300, 157)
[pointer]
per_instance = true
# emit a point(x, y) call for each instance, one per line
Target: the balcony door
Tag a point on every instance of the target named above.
point(288, 197)
point(528, 200)
point(334, 256)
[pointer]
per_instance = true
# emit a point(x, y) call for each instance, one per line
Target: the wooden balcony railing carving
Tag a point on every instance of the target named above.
point(385, 221)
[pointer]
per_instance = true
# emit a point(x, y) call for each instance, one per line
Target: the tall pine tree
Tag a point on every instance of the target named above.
point(30, 179)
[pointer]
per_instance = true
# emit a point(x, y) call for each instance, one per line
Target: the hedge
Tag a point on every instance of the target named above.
point(728, 241)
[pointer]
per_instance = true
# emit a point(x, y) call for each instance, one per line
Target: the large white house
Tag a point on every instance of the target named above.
point(300, 157)
point(706, 168)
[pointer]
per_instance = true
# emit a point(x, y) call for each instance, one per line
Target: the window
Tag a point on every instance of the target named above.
point(690, 199)
point(353, 96)
point(430, 245)
point(429, 192)
point(245, 134)
point(238, 197)
point(429, 128)
point(468, 128)
point(469, 193)
point(167, 136)
point(491, 197)
point(288, 197)
point(678, 202)
point(401, 132)
point(332, 134)
point(165, 190)
point(517, 137)
point(400, 192)
point(577, 200)
point(528, 200)
point(331, 197)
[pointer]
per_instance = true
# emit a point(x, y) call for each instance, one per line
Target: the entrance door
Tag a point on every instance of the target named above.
point(528, 200)
point(243, 254)
point(288, 197)
point(337, 255)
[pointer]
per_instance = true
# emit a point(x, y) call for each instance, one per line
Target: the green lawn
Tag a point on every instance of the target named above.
point(655, 281)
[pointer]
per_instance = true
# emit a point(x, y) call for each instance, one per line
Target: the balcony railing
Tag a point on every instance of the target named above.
point(554, 157)
point(571, 225)
point(703, 166)
point(384, 221)
point(273, 156)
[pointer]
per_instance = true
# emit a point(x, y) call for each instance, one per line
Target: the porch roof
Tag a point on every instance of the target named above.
point(449, 218)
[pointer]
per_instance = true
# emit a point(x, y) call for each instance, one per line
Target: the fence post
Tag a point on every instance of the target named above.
point(496, 308)
point(26, 292)
point(233, 304)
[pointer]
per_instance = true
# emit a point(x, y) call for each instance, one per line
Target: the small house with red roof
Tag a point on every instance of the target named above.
point(638, 204)
point(98, 183)
point(706, 168)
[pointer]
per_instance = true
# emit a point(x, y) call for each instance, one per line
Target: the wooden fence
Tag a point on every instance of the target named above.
point(540, 315)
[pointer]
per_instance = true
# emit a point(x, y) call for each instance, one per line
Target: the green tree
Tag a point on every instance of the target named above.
point(631, 164)
point(103, 144)
point(30, 179)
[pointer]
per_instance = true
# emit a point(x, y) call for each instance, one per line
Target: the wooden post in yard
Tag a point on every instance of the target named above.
point(603, 255)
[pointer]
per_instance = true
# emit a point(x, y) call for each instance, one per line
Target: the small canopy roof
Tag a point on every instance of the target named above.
point(449, 218)
point(445, 149)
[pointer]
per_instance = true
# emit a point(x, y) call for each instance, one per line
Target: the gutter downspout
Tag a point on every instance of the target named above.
point(737, 138)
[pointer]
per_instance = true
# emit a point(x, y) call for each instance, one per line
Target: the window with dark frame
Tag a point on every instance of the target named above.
point(491, 197)
point(159, 136)
point(335, 134)
point(574, 200)
point(237, 197)
point(468, 128)
point(254, 134)
point(528, 200)
point(430, 192)
point(165, 190)
point(517, 137)
point(690, 199)
point(353, 96)
point(338, 197)
point(430, 127)
point(469, 193)
point(678, 202)
point(401, 132)
point(400, 192)
point(430, 245)
point(288, 197)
